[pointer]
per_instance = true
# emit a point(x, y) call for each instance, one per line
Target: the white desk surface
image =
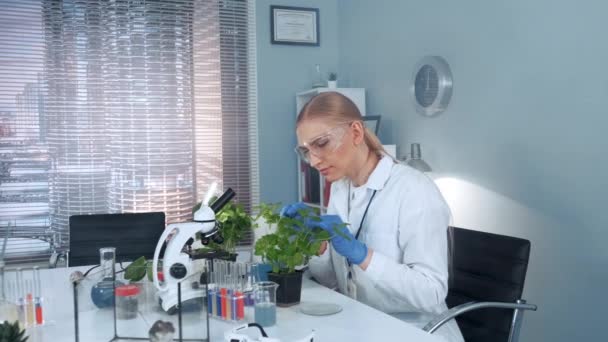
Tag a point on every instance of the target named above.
point(356, 322)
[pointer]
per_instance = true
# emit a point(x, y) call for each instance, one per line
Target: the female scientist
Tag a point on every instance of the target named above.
point(395, 257)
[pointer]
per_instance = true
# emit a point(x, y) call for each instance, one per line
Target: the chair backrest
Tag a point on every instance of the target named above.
point(133, 236)
point(486, 267)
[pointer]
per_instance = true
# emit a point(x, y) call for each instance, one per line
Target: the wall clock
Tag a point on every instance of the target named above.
point(431, 87)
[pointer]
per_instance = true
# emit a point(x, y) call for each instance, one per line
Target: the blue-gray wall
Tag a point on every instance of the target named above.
point(521, 148)
point(284, 70)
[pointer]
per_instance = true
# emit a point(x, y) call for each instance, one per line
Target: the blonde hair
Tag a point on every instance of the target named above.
point(335, 107)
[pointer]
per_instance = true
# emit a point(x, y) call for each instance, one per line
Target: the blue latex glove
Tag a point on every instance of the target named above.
point(291, 210)
point(345, 244)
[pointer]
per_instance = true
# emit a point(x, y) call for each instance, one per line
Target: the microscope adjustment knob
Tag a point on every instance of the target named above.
point(178, 271)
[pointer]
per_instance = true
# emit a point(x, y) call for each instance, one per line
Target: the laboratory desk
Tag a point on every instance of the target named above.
point(356, 322)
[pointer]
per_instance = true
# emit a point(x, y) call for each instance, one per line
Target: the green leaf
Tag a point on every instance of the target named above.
point(235, 222)
point(322, 235)
point(136, 270)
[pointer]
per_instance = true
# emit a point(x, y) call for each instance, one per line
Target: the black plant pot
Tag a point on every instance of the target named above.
point(290, 287)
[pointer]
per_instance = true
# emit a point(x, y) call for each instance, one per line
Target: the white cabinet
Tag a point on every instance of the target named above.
point(312, 188)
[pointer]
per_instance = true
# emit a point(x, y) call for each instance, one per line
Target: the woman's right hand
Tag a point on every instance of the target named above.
point(292, 210)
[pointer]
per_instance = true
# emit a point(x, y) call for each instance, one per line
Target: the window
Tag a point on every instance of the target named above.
point(121, 106)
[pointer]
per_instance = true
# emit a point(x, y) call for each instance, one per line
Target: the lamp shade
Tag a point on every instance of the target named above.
point(416, 160)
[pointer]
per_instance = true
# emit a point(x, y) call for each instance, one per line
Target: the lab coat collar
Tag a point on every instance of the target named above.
point(379, 176)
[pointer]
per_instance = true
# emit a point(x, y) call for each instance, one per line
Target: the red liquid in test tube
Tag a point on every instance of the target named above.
point(240, 306)
point(224, 294)
point(38, 297)
point(39, 317)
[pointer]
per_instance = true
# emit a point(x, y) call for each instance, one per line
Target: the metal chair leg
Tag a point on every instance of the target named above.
point(518, 316)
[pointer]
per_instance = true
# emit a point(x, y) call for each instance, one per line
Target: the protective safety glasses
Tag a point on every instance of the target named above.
point(324, 144)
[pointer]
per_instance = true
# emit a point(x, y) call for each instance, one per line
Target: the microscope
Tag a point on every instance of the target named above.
point(178, 268)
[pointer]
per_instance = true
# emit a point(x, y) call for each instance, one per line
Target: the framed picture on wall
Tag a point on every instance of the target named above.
point(294, 25)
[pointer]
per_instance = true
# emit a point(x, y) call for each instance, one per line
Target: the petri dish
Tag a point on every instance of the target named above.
point(319, 308)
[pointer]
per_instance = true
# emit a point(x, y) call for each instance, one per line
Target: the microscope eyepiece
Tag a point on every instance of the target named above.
point(219, 203)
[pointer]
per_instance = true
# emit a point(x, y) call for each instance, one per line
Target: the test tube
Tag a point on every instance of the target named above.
point(213, 295)
point(10, 309)
point(38, 297)
point(10, 291)
point(228, 293)
point(221, 304)
point(232, 296)
point(210, 291)
point(38, 309)
point(240, 303)
point(251, 269)
point(229, 275)
point(19, 286)
point(29, 305)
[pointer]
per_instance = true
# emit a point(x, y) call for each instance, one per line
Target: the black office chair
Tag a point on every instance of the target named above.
point(133, 236)
point(487, 271)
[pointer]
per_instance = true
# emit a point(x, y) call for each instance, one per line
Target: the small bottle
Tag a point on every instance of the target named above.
point(318, 78)
point(127, 299)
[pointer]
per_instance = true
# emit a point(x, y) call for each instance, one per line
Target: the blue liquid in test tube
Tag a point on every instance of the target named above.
point(210, 301)
point(218, 303)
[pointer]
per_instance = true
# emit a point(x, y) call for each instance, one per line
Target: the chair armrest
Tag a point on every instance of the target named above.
point(447, 315)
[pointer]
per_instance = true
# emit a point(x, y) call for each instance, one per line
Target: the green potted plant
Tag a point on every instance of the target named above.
point(332, 80)
point(12, 332)
point(234, 223)
point(291, 245)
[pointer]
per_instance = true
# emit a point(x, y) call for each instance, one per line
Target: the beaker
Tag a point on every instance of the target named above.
point(265, 307)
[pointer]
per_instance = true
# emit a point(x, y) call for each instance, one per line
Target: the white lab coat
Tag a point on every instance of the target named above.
point(406, 226)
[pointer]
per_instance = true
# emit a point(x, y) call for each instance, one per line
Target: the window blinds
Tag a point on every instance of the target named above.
point(121, 106)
